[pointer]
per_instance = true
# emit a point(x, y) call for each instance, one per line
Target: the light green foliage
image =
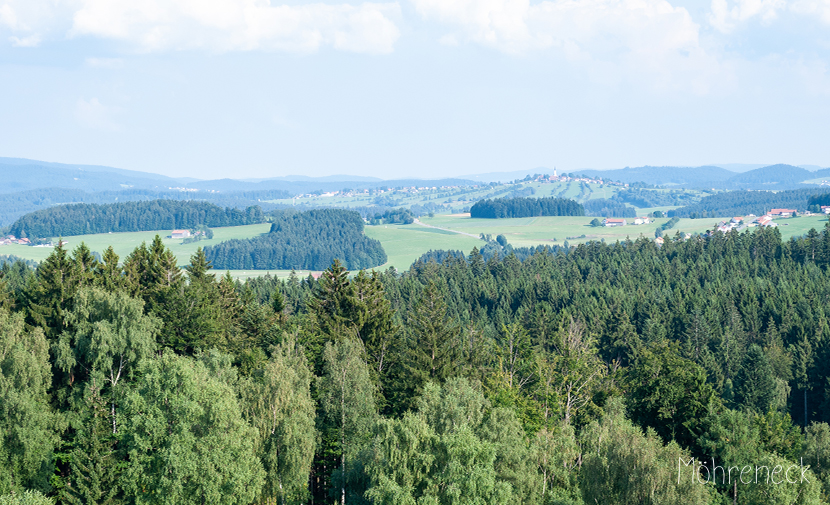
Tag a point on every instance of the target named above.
point(453, 450)
point(624, 466)
point(817, 452)
point(557, 456)
point(107, 335)
point(186, 439)
point(347, 401)
point(772, 487)
point(277, 400)
point(29, 429)
point(26, 498)
point(571, 376)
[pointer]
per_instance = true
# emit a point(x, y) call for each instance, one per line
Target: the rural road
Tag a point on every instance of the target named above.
point(446, 229)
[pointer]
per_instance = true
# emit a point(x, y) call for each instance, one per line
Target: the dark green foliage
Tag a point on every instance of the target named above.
point(718, 347)
point(308, 240)
point(526, 207)
point(94, 465)
point(83, 219)
point(393, 216)
point(608, 208)
point(644, 198)
point(669, 394)
point(8, 259)
point(741, 203)
point(756, 382)
point(819, 200)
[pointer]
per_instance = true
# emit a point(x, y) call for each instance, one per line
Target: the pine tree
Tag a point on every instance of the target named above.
point(94, 466)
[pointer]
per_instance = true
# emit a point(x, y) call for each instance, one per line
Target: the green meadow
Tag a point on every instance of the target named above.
point(405, 243)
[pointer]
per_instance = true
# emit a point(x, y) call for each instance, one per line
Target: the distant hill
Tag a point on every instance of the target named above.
point(664, 176)
point(740, 203)
point(771, 177)
point(18, 174)
point(319, 184)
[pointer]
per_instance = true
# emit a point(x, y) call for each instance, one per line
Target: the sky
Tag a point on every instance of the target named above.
point(413, 88)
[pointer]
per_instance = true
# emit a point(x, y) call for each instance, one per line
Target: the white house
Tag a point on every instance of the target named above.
point(608, 221)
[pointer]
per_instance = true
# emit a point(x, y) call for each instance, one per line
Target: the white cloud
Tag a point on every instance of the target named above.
point(30, 41)
point(818, 8)
point(213, 25)
point(95, 115)
point(8, 16)
point(240, 25)
point(725, 17)
point(649, 40)
point(518, 26)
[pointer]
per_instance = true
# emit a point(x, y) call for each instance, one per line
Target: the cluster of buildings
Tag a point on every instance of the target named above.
point(11, 239)
point(751, 220)
point(611, 222)
point(566, 178)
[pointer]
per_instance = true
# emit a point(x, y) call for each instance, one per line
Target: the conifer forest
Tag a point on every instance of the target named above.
point(595, 374)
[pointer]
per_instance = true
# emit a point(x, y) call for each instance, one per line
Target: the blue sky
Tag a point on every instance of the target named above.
point(423, 88)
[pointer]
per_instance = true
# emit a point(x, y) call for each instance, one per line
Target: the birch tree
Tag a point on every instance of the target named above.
point(347, 400)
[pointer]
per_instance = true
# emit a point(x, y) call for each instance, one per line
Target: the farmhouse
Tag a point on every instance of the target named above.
point(825, 209)
point(608, 221)
point(180, 234)
point(642, 220)
point(781, 212)
point(765, 221)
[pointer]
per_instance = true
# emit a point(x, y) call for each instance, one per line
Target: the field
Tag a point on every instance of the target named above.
point(405, 243)
point(532, 231)
point(457, 197)
point(125, 243)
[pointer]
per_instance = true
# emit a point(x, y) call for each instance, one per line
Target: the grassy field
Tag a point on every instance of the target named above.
point(533, 231)
point(125, 243)
point(405, 243)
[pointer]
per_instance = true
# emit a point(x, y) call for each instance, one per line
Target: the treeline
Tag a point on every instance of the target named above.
point(575, 377)
point(741, 203)
point(525, 207)
point(393, 216)
point(15, 205)
point(492, 250)
point(307, 240)
point(643, 198)
point(604, 207)
point(84, 219)
point(666, 226)
point(817, 201)
point(10, 259)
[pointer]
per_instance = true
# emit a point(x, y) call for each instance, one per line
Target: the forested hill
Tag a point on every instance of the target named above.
point(83, 218)
point(574, 378)
point(741, 203)
point(307, 240)
point(526, 207)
